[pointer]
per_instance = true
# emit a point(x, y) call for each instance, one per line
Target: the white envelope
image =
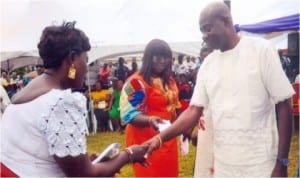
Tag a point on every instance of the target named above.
point(164, 125)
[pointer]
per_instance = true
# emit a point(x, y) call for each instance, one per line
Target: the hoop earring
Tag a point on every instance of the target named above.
point(72, 72)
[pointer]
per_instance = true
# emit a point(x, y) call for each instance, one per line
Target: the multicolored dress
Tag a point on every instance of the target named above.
point(138, 97)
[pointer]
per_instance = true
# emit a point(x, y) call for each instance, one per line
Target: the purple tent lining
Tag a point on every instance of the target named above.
point(290, 22)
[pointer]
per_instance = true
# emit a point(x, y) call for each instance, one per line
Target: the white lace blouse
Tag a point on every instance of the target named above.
point(31, 133)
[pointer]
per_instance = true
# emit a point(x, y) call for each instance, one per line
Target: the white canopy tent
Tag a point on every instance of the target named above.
point(102, 52)
point(117, 27)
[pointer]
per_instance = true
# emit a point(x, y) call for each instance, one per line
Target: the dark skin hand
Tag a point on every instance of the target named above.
point(143, 120)
point(194, 136)
point(184, 122)
point(285, 134)
point(81, 166)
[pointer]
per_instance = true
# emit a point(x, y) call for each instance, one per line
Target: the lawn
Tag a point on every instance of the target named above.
point(97, 142)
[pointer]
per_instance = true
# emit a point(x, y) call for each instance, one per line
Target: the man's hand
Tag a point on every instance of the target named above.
point(194, 138)
point(279, 171)
point(201, 124)
point(138, 152)
point(153, 144)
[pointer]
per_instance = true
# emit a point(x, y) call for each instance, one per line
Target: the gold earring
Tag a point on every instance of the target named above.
point(72, 72)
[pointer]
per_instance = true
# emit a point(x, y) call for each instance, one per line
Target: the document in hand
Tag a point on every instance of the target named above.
point(110, 152)
point(165, 124)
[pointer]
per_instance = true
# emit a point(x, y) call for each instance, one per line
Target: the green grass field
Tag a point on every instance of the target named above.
point(97, 143)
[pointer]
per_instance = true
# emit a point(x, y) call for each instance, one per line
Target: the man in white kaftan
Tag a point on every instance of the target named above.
point(242, 85)
point(242, 82)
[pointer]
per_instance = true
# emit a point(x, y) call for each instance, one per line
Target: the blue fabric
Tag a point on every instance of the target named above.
point(129, 115)
point(138, 98)
point(290, 22)
point(135, 97)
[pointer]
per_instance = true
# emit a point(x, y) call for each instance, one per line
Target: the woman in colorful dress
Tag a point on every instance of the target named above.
point(149, 97)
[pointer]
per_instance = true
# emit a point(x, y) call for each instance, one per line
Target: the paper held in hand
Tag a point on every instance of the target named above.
point(184, 146)
point(110, 152)
point(164, 125)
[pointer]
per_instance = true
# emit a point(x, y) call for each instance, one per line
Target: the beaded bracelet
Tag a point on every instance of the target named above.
point(129, 154)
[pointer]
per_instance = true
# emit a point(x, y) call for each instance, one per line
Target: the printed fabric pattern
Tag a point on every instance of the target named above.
point(132, 99)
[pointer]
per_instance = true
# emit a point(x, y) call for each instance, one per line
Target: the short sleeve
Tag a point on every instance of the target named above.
point(199, 97)
point(274, 78)
point(63, 125)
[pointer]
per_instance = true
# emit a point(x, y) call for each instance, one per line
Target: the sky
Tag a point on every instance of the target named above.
point(112, 22)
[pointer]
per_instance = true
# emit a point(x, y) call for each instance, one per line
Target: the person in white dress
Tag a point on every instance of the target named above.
point(242, 82)
point(43, 130)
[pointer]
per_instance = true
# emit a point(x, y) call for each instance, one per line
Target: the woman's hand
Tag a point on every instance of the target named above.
point(137, 154)
point(93, 156)
point(154, 121)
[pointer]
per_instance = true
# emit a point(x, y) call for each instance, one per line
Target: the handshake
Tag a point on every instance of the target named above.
point(140, 153)
point(135, 153)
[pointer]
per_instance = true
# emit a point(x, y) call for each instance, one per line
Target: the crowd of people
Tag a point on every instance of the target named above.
point(231, 97)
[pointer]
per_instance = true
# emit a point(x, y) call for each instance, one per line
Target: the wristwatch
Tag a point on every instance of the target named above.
point(283, 161)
